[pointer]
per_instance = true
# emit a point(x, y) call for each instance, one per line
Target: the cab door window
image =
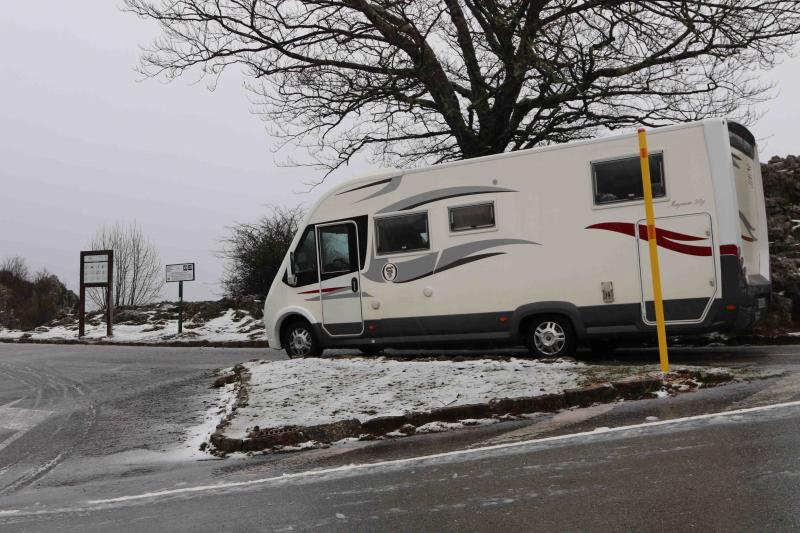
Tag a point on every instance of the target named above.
point(305, 258)
point(338, 251)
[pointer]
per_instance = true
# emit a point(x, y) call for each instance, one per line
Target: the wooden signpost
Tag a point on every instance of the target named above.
point(97, 270)
point(179, 273)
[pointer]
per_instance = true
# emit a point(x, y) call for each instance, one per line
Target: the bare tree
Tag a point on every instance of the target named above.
point(17, 267)
point(254, 252)
point(434, 80)
point(138, 278)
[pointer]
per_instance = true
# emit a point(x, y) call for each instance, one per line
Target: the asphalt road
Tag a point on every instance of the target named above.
point(93, 428)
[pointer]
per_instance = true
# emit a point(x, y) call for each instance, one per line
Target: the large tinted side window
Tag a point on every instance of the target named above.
point(402, 233)
point(620, 180)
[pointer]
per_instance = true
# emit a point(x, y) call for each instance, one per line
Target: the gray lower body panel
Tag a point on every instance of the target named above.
point(740, 307)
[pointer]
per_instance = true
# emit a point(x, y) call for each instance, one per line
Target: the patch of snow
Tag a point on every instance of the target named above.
point(661, 393)
point(308, 445)
point(223, 328)
point(439, 427)
point(319, 391)
point(652, 419)
point(346, 440)
point(478, 421)
point(220, 405)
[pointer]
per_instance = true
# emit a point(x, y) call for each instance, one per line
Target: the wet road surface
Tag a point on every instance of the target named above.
point(80, 424)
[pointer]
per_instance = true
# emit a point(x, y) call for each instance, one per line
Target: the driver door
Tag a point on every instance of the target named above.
point(339, 279)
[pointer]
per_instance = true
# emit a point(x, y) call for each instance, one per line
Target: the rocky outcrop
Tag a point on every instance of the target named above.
point(781, 177)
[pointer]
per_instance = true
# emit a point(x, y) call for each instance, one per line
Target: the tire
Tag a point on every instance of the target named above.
point(299, 340)
point(550, 336)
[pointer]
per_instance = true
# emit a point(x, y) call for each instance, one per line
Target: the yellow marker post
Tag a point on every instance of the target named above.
point(644, 158)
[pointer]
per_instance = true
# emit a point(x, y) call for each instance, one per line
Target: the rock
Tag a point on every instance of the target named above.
point(224, 444)
point(408, 429)
point(384, 424)
point(333, 431)
point(782, 198)
point(223, 380)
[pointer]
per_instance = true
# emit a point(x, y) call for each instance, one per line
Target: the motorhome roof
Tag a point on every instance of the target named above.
point(387, 173)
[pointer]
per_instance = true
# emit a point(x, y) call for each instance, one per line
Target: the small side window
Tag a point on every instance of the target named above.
point(620, 180)
point(402, 233)
point(469, 217)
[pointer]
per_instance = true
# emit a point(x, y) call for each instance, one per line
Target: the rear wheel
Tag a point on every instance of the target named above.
point(550, 336)
point(299, 340)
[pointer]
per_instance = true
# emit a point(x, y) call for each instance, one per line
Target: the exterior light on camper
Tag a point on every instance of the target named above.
point(730, 307)
point(503, 319)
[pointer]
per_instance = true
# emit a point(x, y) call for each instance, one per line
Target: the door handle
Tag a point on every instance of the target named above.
point(354, 284)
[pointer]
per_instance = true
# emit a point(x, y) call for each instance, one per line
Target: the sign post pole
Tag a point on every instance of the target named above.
point(180, 307)
point(644, 158)
point(82, 305)
point(109, 301)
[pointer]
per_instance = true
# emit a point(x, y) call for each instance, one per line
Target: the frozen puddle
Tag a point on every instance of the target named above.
point(309, 392)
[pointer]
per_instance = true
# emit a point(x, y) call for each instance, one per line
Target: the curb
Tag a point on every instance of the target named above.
point(503, 408)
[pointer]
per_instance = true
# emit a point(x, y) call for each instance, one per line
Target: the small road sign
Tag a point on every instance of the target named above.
point(180, 272)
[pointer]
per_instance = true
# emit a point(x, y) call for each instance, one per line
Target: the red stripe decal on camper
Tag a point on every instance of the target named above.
point(664, 238)
point(748, 239)
point(330, 289)
point(729, 249)
point(628, 228)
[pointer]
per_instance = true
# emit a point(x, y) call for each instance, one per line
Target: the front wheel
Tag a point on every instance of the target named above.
point(299, 341)
point(551, 336)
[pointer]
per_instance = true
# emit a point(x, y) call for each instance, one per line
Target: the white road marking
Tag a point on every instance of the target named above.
point(364, 466)
point(19, 420)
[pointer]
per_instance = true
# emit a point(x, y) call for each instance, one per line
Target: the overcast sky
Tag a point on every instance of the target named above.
point(84, 143)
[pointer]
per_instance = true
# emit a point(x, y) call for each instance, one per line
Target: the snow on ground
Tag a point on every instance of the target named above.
point(228, 327)
point(318, 391)
point(219, 406)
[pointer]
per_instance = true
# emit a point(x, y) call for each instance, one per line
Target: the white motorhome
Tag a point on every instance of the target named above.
point(546, 247)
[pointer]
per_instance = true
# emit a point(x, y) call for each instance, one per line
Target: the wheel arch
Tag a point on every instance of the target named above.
point(523, 314)
point(287, 316)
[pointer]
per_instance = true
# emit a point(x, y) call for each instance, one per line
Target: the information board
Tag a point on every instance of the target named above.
point(95, 269)
point(180, 272)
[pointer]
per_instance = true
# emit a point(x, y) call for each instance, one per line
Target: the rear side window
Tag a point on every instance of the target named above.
point(620, 180)
point(402, 233)
point(469, 217)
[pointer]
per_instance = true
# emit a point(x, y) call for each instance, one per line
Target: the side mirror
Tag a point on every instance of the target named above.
point(291, 279)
